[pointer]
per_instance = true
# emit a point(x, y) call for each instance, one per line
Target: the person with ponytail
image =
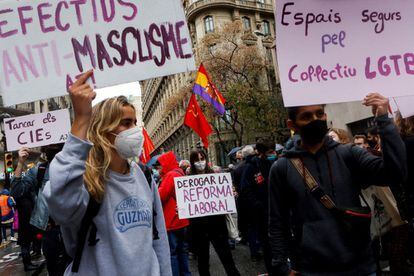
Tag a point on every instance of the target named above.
point(93, 171)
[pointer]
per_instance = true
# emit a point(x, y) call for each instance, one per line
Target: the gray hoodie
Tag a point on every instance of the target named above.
point(124, 221)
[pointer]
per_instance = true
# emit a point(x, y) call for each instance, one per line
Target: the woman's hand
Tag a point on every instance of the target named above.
point(82, 95)
point(23, 155)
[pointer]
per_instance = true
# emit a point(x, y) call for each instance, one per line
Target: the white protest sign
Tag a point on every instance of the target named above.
point(204, 195)
point(404, 104)
point(46, 45)
point(393, 107)
point(339, 51)
point(37, 129)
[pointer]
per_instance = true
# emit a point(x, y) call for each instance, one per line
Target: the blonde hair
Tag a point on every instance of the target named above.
point(106, 116)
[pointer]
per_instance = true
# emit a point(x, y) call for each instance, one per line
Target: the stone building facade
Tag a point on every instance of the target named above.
point(165, 125)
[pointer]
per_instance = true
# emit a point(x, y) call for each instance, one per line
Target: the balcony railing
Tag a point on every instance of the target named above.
point(254, 5)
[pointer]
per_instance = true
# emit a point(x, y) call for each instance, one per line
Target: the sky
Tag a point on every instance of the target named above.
point(127, 89)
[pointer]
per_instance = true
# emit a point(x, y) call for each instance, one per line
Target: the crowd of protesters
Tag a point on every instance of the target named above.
point(325, 203)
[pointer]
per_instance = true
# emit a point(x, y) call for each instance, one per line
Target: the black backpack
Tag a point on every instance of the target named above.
point(87, 223)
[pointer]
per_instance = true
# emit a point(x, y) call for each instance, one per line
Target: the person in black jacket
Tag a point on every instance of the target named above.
point(406, 127)
point(321, 245)
point(254, 189)
point(34, 213)
point(242, 207)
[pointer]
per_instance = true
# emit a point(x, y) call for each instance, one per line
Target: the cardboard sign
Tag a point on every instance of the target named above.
point(339, 51)
point(46, 45)
point(37, 129)
point(204, 195)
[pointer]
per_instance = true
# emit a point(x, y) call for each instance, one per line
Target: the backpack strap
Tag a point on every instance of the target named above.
point(41, 171)
point(87, 222)
point(148, 176)
point(312, 184)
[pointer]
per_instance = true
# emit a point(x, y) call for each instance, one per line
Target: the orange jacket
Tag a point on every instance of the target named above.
point(6, 203)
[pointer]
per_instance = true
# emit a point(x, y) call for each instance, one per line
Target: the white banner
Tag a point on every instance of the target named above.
point(404, 104)
point(339, 51)
point(204, 195)
point(46, 45)
point(37, 129)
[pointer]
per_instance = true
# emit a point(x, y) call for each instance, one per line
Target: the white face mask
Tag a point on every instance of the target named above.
point(129, 143)
point(200, 165)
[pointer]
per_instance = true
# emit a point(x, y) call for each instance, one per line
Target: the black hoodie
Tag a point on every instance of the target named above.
point(320, 244)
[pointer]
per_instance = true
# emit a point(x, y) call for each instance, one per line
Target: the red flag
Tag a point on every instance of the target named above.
point(194, 118)
point(147, 148)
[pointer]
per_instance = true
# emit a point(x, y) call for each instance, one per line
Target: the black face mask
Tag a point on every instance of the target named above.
point(314, 132)
point(372, 143)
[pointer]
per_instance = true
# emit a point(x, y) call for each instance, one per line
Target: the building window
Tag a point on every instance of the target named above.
point(246, 23)
point(269, 55)
point(261, 2)
point(209, 24)
point(266, 28)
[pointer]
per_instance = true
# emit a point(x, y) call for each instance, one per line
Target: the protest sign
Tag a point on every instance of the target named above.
point(37, 129)
point(393, 107)
point(204, 195)
point(404, 104)
point(46, 45)
point(339, 51)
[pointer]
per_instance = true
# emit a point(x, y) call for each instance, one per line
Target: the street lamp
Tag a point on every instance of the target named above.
point(8, 158)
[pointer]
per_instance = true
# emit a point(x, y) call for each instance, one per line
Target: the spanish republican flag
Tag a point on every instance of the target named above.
point(194, 118)
point(147, 148)
point(208, 91)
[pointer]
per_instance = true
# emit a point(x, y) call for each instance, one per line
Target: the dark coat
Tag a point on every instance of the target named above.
point(320, 242)
point(409, 183)
point(255, 186)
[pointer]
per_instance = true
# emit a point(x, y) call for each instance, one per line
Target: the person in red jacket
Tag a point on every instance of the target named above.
point(176, 228)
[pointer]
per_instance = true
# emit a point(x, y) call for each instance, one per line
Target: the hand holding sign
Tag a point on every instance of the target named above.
point(23, 155)
point(378, 103)
point(82, 95)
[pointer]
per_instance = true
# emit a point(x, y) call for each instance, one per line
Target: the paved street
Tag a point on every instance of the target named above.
point(11, 263)
point(241, 257)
